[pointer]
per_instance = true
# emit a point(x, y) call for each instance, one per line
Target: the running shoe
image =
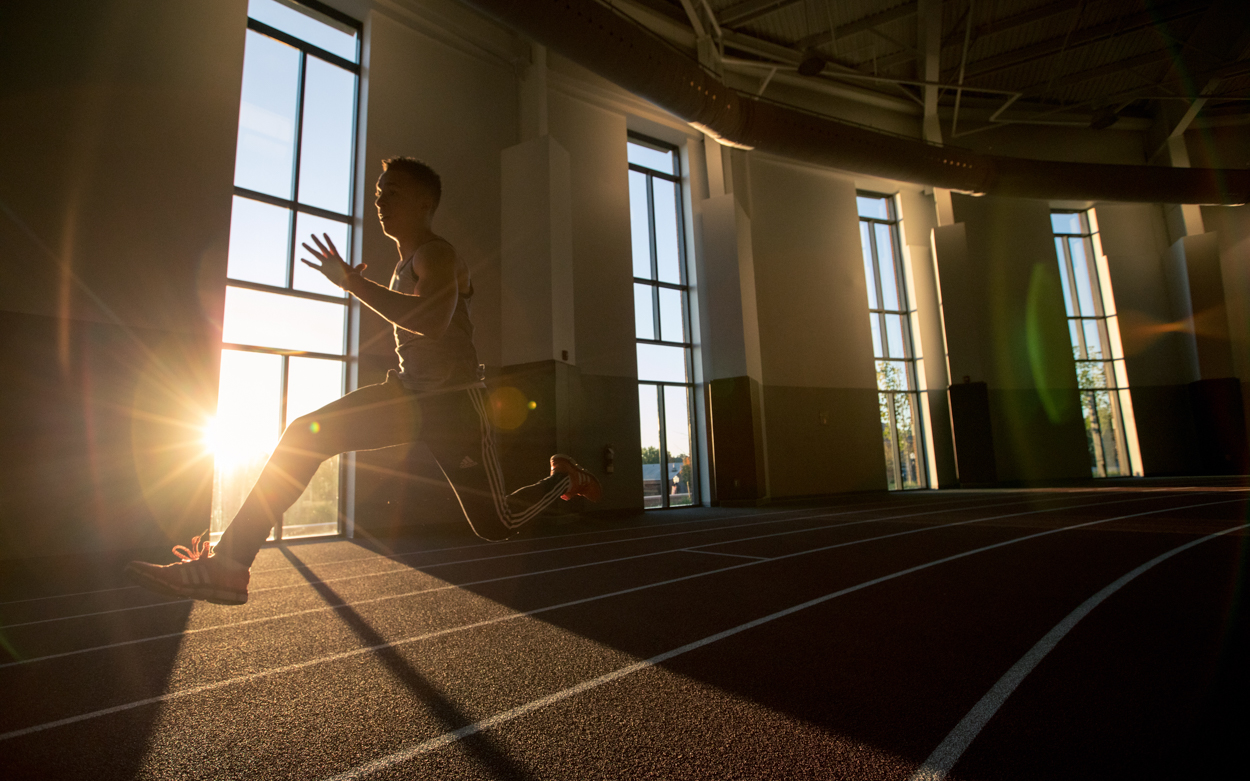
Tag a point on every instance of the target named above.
point(200, 575)
point(581, 482)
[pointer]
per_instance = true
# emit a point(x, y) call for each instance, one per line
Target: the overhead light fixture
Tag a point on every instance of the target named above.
point(811, 64)
point(1103, 118)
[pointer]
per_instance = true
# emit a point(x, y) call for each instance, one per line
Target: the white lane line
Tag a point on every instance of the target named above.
point(449, 586)
point(559, 549)
point(718, 553)
point(572, 603)
point(948, 752)
point(624, 530)
point(447, 738)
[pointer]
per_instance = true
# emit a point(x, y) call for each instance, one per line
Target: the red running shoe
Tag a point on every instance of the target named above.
point(199, 575)
point(581, 482)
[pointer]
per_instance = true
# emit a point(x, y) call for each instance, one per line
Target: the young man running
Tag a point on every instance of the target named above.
point(437, 397)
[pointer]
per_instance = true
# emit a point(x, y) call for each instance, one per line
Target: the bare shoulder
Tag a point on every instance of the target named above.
point(439, 259)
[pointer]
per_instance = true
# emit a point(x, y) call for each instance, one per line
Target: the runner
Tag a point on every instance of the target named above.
point(437, 397)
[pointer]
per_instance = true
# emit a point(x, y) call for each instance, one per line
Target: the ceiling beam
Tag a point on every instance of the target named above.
point(1089, 74)
point(750, 10)
point(928, 62)
point(1041, 13)
point(869, 22)
point(1079, 38)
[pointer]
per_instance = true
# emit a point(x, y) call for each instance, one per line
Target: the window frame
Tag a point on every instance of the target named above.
point(1113, 369)
point(910, 358)
point(295, 208)
point(685, 291)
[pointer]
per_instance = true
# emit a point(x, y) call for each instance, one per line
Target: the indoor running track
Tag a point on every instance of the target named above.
point(963, 634)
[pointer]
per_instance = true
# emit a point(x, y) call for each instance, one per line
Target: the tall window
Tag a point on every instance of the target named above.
point(1095, 333)
point(662, 322)
point(893, 343)
point(285, 329)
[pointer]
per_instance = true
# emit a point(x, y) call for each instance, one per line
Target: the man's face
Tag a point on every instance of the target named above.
point(402, 203)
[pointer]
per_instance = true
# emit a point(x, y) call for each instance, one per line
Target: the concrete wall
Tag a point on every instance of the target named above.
point(116, 168)
point(1019, 331)
point(819, 382)
point(457, 111)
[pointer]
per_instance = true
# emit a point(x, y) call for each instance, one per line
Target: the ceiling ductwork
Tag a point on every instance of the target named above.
point(628, 55)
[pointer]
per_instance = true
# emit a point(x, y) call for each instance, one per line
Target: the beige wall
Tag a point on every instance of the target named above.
point(1023, 341)
point(116, 167)
point(456, 112)
point(822, 429)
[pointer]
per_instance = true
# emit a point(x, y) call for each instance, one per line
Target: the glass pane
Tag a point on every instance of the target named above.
point(639, 230)
point(908, 440)
point(876, 335)
point(667, 253)
point(311, 384)
point(1093, 338)
point(672, 322)
point(661, 364)
point(1065, 223)
point(1109, 423)
point(895, 334)
point(893, 375)
point(1075, 335)
point(316, 512)
point(246, 428)
point(1080, 270)
point(887, 440)
point(870, 276)
point(321, 31)
point(283, 322)
point(649, 415)
point(873, 207)
point(310, 279)
point(663, 161)
point(325, 172)
point(1063, 277)
point(1093, 435)
point(259, 242)
point(1091, 374)
point(890, 298)
point(265, 158)
point(644, 312)
point(677, 437)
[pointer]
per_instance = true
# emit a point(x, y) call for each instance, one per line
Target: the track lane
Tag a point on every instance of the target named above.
point(1000, 532)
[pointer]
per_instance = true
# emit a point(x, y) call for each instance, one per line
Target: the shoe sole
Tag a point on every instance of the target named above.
point(215, 596)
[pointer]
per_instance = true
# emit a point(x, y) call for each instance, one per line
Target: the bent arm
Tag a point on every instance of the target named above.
point(429, 312)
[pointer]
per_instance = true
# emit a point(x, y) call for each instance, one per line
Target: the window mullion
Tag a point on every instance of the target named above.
point(299, 140)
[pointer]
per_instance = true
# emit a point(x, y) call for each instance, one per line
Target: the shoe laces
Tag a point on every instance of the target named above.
point(200, 548)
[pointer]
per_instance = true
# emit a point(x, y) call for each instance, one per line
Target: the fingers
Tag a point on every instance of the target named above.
point(330, 241)
point(324, 251)
point(313, 251)
point(309, 264)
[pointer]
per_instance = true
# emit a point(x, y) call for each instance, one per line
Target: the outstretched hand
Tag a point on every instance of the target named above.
point(331, 265)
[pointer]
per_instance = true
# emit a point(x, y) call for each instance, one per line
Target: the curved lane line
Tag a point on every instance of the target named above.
point(585, 600)
point(948, 752)
point(447, 738)
point(687, 549)
point(559, 549)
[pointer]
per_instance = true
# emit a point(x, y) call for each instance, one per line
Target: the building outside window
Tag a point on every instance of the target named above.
point(1095, 333)
point(662, 325)
point(285, 332)
point(893, 342)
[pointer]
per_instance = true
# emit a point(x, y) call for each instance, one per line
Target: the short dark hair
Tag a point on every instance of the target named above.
point(419, 171)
